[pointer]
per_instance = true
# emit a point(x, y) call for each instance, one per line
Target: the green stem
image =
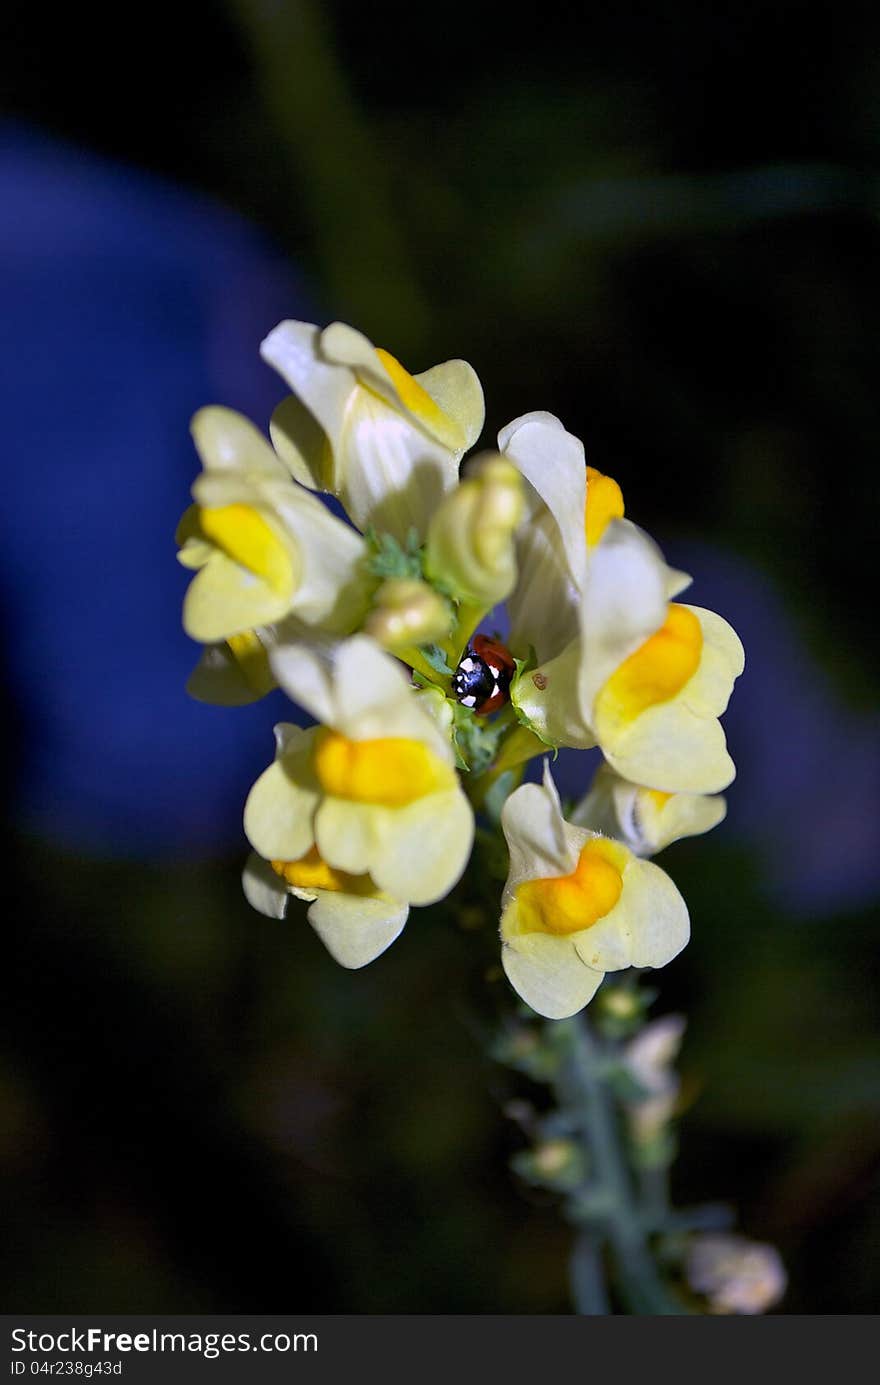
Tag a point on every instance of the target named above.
point(654, 1195)
point(582, 1089)
point(587, 1275)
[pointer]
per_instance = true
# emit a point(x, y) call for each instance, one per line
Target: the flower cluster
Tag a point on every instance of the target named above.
point(424, 719)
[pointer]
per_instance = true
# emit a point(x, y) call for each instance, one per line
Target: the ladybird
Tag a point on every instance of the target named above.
point(482, 679)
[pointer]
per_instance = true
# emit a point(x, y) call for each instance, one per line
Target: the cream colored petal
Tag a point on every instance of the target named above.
point(676, 583)
point(624, 603)
point(195, 550)
point(453, 382)
point(550, 697)
point(280, 808)
point(325, 388)
point(224, 599)
point(536, 835)
point(374, 698)
point(679, 746)
point(305, 672)
point(650, 1055)
point(335, 588)
point(226, 441)
point(213, 489)
point(219, 678)
point(647, 927)
point(386, 469)
point(356, 930)
point(263, 889)
point(552, 460)
point(599, 809)
point(302, 444)
point(548, 974)
point(456, 388)
point(392, 474)
point(722, 661)
point(346, 346)
point(681, 815)
point(424, 847)
point(545, 603)
point(349, 835)
point(289, 736)
point(670, 749)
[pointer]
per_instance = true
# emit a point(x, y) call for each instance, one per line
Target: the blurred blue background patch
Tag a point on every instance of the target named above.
point(128, 304)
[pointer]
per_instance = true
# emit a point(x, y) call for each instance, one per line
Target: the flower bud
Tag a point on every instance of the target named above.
point(470, 545)
point(555, 1163)
point(735, 1274)
point(405, 612)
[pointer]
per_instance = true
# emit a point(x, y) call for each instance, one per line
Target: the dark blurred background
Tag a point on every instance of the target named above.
point(661, 224)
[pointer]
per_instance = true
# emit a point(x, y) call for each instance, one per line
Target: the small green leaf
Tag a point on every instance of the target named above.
point(475, 740)
point(388, 558)
point(434, 656)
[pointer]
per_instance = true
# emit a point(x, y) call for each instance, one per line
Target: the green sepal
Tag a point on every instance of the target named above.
point(433, 655)
point(387, 557)
point(476, 742)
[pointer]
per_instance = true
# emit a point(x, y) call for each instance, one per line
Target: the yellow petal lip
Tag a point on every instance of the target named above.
point(570, 903)
point(604, 503)
point(389, 771)
point(311, 872)
point(246, 537)
point(418, 402)
point(656, 672)
point(678, 745)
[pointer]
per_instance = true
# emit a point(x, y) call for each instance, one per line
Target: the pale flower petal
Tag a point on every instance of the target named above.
point(548, 975)
point(229, 680)
point(349, 835)
point(624, 603)
point(225, 599)
point(455, 387)
point(549, 697)
point(263, 889)
point(645, 819)
point(392, 450)
point(302, 445)
point(228, 442)
point(423, 851)
point(647, 927)
point(281, 805)
point(538, 837)
point(552, 460)
point(678, 746)
point(356, 929)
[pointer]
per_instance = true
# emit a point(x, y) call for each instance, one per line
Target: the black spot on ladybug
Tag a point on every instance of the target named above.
point(482, 679)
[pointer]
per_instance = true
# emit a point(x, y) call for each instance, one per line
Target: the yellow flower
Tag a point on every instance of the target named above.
point(263, 549)
point(656, 716)
point(354, 919)
point(373, 788)
point(361, 427)
point(619, 663)
point(647, 820)
point(577, 905)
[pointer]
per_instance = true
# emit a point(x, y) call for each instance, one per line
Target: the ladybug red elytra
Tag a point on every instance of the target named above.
point(482, 679)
